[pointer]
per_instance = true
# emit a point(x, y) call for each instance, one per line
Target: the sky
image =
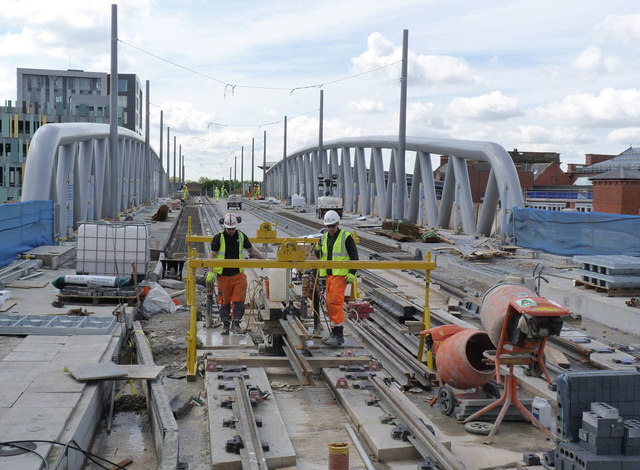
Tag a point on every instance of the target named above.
point(534, 75)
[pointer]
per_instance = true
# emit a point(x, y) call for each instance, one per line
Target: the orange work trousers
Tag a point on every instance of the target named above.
point(232, 289)
point(336, 286)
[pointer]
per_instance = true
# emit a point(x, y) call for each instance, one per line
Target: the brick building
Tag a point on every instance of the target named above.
point(617, 192)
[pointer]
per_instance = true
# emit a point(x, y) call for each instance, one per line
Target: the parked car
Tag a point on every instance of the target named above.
point(234, 201)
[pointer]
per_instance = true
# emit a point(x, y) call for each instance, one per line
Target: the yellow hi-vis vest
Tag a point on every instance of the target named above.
point(339, 252)
point(222, 249)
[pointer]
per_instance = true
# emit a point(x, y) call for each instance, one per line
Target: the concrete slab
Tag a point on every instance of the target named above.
point(367, 418)
point(78, 357)
point(172, 284)
point(55, 381)
point(10, 371)
point(53, 256)
point(30, 356)
point(281, 452)
point(10, 391)
point(38, 339)
point(47, 400)
point(38, 347)
point(210, 338)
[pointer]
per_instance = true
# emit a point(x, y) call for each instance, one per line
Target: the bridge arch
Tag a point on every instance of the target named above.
point(359, 185)
point(71, 164)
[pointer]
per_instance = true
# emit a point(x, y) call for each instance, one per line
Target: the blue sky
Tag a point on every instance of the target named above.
point(535, 75)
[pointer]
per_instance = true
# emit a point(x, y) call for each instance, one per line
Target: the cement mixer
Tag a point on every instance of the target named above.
point(518, 323)
point(459, 355)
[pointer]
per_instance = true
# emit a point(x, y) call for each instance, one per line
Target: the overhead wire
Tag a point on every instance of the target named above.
point(233, 86)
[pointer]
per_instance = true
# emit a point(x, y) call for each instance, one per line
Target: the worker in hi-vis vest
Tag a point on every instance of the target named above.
point(216, 193)
point(185, 192)
point(231, 243)
point(338, 245)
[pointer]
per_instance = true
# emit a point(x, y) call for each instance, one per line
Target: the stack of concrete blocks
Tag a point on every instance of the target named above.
point(608, 271)
point(607, 442)
point(577, 390)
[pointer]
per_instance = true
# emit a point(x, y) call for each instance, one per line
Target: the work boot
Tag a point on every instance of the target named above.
point(225, 328)
point(235, 327)
point(336, 338)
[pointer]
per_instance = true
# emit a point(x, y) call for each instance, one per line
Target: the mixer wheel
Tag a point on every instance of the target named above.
point(478, 427)
point(446, 400)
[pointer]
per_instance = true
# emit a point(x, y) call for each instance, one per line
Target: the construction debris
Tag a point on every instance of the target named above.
point(407, 232)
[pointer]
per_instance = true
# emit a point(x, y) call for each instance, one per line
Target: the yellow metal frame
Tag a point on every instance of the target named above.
point(288, 257)
point(194, 263)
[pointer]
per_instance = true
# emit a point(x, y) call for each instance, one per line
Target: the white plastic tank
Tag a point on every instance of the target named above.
point(277, 285)
point(541, 409)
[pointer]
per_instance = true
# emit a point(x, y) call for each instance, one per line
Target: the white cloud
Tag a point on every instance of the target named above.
point(625, 136)
point(621, 28)
point(422, 69)
point(612, 107)
point(425, 117)
point(534, 134)
point(488, 107)
point(366, 106)
point(593, 60)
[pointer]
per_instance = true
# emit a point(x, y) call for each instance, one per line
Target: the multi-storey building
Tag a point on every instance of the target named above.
point(50, 96)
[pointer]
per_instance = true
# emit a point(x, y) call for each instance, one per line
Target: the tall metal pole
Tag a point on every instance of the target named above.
point(235, 171)
point(180, 163)
point(401, 174)
point(113, 107)
point(229, 180)
point(263, 190)
point(161, 156)
point(242, 171)
point(146, 172)
point(284, 158)
point(320, 127)
point(175, 174)
point(253, 142)
point(169, 157)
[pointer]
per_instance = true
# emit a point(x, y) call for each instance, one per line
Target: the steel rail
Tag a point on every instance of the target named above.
point(425, 443)
point(300, 366)
point(255, 459)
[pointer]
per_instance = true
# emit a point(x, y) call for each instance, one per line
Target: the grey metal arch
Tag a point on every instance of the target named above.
point(367, 188)
point(70, 163)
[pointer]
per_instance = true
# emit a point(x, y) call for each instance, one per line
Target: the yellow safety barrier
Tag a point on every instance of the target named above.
point(194, 263)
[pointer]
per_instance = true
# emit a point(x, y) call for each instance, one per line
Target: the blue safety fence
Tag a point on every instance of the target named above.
point(24, 226)
point(576, 233)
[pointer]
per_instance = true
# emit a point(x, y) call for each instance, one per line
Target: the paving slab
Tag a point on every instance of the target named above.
point(367, 420)
point(210, 338)
point(19, 371)
point(48, 400)
point(273, 430)
point(38, 347)
point(78, 357)
point(30, 356)
point(10, 391)
point(55, 381)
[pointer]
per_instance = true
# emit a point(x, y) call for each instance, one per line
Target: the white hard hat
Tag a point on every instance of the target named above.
point(331, 217)
point(230, 220)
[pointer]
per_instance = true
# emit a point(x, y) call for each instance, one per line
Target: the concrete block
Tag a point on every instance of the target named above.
point(631, 450)
point(631, 428)
point(604, 410)
point(172, 284)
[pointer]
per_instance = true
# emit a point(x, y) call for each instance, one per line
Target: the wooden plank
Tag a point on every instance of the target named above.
point(142, 371)
point(7, 305)
point(96, 371)
point(29, 284)
point(556, 357)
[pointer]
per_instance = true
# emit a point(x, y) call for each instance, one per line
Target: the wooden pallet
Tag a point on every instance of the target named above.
point(608, 291)
point(97, 299)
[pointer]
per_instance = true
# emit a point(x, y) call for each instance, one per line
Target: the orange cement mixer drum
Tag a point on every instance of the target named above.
point(460, 360)
point(495, 305)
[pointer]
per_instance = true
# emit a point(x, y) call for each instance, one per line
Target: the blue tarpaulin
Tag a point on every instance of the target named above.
point(576, 233)
point(24, 226)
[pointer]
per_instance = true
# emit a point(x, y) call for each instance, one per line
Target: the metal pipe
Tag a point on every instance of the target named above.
point(363, 453)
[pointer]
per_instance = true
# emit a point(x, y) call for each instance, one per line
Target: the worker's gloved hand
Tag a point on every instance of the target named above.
point(350, 278)
point(211, 276)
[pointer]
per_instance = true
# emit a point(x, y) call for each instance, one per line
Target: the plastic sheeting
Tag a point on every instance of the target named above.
point(24, 226)
point(576, 233)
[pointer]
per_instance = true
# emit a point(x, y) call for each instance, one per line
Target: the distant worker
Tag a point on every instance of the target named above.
point(337, 245)
point(185, 192)
point(217, 194)
point(232, 282)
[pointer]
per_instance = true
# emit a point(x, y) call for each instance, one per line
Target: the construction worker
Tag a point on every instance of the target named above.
point(231, 243)
point(185, 192)
point(338, 245)
point(217, 194)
